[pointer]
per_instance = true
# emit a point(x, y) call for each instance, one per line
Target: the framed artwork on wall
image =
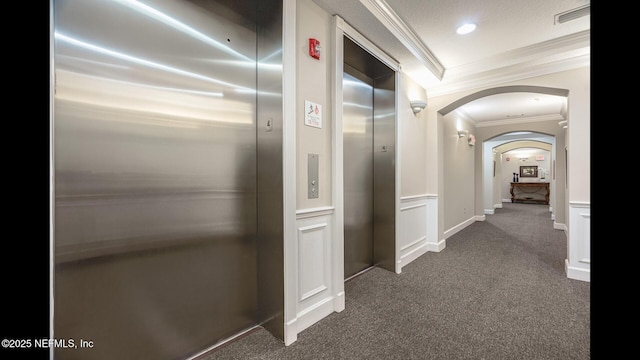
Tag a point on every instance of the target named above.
point(528, 171)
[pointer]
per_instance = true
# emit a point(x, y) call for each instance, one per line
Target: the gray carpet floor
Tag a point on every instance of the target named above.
point(497, 291)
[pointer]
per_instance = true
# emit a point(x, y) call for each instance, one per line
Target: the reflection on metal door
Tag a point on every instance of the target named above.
point(156, 177)
point(358, 173)
point(369, 144)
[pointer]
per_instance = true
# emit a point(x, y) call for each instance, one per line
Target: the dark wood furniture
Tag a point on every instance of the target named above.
point(530, 191)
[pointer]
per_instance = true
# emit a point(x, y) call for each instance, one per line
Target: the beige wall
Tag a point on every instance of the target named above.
point(459, 189)
point(577, 81)
point(432, 159)
point(413, 139)
point(579, 134)
point(313, 84)
point(425, 142)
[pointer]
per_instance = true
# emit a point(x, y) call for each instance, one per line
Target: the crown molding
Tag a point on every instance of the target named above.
point(389, 19)
point(507, 74)
point(561, 54)
point(577, 43)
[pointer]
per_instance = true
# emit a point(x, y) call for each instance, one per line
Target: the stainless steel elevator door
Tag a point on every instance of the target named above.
point(155, 177)
point(358, 174)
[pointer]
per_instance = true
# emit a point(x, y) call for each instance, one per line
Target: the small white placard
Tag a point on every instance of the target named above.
point(312, 114)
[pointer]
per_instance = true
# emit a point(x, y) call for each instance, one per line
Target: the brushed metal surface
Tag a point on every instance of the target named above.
point(155, 172)
point(270, 244)
point(384, 174)
point(358, 173)
point(313, 186)
point(369, 141)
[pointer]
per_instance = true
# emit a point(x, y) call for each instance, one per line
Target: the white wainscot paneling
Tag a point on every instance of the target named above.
point(413, 228)
point(578, 264)
point(312, 256)
point(315, 291)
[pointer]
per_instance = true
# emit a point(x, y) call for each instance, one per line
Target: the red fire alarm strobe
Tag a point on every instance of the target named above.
point(314, 48)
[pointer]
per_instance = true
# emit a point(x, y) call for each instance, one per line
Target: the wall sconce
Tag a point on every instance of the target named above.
point(462, 133)
point(417, 106)
point(471, 140)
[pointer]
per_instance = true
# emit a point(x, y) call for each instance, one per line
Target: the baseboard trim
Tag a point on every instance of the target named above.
point(577, 273)
point(452, 231)
point(438, 246)
point(314, 313)
point(560, 226)
point(290, 332)
point(338, 302)
point(413, 254)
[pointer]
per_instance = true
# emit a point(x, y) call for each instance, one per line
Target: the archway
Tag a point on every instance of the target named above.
point(507, 156)
point(502, 90)
point(456, 211)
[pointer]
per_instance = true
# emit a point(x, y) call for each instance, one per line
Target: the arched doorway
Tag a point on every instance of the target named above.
point(506, 155)
point(465, 168)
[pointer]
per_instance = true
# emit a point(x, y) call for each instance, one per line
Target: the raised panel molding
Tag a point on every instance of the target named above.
point(584, 234)
point(413, 228)
point(311, 260)
point(315, 298)
point(578, 263)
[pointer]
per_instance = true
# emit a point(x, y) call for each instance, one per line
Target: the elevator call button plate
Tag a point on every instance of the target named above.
point(312, 175)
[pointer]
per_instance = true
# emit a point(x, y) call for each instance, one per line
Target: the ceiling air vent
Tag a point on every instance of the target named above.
point(573, 14)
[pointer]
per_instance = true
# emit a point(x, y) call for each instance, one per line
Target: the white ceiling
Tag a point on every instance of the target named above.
point(514, 40)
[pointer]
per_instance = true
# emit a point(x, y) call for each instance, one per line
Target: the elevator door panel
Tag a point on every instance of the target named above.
point(155, 178)
point(358, 174)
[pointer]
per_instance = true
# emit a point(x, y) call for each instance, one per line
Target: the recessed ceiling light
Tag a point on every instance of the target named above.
point(466, 28)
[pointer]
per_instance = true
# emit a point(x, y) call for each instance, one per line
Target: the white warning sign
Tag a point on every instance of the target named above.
point(312, 114)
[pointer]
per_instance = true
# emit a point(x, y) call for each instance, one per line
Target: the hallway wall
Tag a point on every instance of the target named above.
point(430, 206)
point(316, 286)
point(576, 138)
point(459, 160)
point(313, 289)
